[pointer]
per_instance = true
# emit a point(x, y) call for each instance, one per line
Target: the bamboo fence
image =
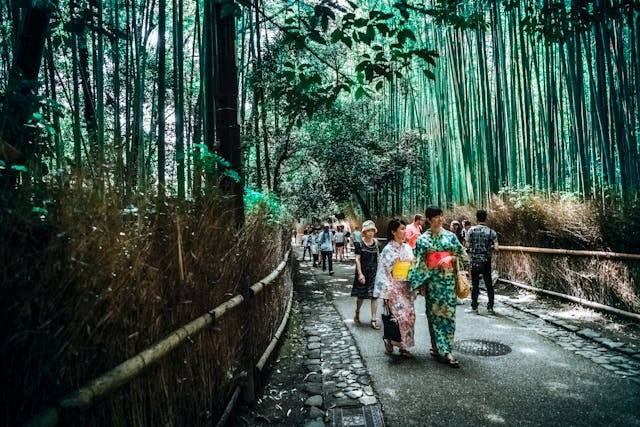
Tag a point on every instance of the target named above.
point(131, 368)
point(569, 252)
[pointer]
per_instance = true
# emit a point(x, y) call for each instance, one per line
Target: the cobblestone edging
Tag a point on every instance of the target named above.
point(337, 382)
point(619, 358)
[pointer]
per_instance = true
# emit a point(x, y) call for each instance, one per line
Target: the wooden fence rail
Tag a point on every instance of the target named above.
point(131, 368)
point(571, 252)
point(585, 302)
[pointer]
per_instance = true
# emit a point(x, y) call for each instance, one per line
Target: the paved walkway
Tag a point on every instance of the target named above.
point(550, 376)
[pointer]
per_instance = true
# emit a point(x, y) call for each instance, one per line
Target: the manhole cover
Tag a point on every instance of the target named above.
point(363, 416)
point(481, 347)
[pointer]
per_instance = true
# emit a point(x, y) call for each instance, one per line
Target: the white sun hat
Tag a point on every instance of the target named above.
point(369, 225)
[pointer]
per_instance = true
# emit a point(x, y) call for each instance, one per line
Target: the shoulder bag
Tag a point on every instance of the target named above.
point(462, 282)
point(390, 325)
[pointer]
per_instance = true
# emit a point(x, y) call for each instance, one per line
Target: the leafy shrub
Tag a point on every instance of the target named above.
point(256, 202)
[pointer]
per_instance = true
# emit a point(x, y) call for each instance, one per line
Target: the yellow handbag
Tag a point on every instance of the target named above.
point(462, 282)
point(400, 270)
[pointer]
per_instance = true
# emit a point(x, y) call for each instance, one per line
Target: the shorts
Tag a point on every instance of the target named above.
point(339, 244)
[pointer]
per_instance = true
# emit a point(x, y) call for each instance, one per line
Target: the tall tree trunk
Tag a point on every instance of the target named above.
point(75, 112)
point(58, 146)
point(222, 96)
point(178, 87)
point(89, 112)
point(575, 85)
point(117, 136)
point(501, 119)
point(263, 110)
point(602, 103)
point(18, 105)
point(551, 120)
point(162, 90)
point(99, 97)
point(254, 105)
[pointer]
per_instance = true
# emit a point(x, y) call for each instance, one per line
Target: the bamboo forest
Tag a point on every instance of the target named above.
point(159, 157)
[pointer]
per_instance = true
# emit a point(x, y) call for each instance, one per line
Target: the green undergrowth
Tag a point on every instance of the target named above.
point(258, 201)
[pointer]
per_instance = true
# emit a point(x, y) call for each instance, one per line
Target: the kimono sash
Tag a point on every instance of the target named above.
point(433, 258)
point(400, 270)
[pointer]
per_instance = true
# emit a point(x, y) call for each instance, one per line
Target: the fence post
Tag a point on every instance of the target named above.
point(248, 363)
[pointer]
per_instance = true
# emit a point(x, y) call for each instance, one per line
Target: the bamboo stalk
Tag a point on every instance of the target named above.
point(220, 310)
point(180, 258)
point(227, 411)
point(131, 368)
point(601, 254)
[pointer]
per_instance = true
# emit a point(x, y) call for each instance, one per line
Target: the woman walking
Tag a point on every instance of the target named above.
point(393, 287)
point(456, 228)
point(436, 255)
point(366, 266)
point(306, 243)
point(339, 240)
point(315, 247)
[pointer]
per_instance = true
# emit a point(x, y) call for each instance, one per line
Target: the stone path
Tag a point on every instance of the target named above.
point(337, 382)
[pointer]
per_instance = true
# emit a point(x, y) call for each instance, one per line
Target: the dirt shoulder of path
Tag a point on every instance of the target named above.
point(281, 400)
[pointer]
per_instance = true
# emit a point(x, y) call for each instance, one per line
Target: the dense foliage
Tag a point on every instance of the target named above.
point(475, 96)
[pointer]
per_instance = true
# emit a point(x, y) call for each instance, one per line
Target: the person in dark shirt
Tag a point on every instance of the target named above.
point(481, 241)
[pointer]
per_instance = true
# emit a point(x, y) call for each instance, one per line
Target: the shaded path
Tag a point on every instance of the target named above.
point(538, 383)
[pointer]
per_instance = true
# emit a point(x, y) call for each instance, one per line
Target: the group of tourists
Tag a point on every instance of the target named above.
point(323, 243)
point(425, 262)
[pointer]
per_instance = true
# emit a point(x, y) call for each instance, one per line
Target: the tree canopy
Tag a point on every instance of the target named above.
point(386, 105)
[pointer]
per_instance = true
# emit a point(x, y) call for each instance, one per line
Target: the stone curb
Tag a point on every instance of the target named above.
point(600, 352)
point(586, 333)
point(337, 380)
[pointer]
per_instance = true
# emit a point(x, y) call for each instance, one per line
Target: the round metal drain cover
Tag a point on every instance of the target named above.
point(481, 347)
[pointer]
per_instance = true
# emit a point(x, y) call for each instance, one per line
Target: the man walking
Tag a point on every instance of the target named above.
point(326, 249)
point(414, 230)
point(481, 241)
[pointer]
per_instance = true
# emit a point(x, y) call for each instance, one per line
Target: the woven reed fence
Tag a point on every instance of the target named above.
point(75, 408)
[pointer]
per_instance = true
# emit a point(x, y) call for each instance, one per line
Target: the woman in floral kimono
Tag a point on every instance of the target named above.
point(391, 284)
point(437, 253)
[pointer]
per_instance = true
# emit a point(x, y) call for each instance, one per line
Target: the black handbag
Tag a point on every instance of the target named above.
point(390, 326)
